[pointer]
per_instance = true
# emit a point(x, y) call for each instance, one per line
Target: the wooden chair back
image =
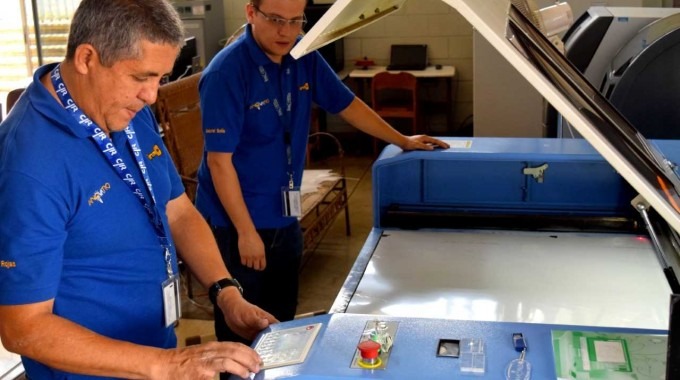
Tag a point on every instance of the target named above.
point(12, 97)
point(179, 115)
point(395, 95)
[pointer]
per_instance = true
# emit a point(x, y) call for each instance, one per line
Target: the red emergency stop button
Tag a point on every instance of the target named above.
point(369, 350)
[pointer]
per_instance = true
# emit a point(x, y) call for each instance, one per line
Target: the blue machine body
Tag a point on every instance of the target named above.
point(413, 355)
point(479, 176)
point(487, 177)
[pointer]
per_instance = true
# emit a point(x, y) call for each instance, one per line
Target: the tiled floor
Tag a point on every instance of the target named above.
point(324, 270)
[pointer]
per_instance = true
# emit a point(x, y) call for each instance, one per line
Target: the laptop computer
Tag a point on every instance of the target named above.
point(408, 57)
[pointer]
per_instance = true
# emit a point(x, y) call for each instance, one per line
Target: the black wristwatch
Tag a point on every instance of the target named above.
point(217, 287)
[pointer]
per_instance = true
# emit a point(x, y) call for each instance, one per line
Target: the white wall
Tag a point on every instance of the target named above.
point(234, 14)
point(448, 37)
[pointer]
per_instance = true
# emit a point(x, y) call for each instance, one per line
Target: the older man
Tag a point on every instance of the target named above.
point(90, 221)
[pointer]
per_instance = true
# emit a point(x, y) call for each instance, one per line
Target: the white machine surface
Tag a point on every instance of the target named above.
point(10, 365)
point(515, 276)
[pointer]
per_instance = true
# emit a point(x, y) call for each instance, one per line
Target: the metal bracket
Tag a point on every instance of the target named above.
point(536, 172)
point(664, 240)
point(642, 206)
point(383, 332)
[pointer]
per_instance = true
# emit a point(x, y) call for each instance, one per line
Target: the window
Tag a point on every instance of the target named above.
point(21, 48)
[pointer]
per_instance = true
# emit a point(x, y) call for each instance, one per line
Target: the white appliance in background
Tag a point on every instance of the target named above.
point(551, 20)
point(600, 32)
point(505, 105)
point(203, 19)
point(630, 55)
point(194, 28)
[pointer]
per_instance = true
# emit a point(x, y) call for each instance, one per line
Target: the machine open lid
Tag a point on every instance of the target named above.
point(638, 160)
point(546, 69)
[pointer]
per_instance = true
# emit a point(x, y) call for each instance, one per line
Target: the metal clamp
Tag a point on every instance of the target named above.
point(536, 172)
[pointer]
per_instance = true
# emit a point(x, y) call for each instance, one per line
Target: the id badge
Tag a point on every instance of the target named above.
point(171, 301)
point(292, 203)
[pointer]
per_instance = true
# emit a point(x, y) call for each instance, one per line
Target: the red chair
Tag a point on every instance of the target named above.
point(395, 96)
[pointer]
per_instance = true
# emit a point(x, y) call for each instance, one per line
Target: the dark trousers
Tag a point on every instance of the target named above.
point(274, 289)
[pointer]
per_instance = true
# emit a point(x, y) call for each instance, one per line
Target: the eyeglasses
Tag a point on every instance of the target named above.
point(298, 23)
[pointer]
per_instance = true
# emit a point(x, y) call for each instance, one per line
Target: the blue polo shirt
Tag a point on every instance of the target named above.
point(70, 228)
point(238, 90)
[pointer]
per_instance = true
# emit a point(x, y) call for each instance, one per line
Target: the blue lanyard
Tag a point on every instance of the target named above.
point(285, 117)
point(109, 151)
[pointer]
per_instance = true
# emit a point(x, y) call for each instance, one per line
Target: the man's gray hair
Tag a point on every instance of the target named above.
point(115, 27)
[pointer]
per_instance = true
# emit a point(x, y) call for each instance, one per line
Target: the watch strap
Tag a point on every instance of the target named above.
point(217, 287)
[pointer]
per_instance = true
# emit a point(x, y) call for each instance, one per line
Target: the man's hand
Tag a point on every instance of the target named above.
point(423, 142)
point(205, 361)
point(251, 249)
point(242, 317)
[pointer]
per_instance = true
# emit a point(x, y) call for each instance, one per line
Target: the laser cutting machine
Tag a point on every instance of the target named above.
point(566, 241)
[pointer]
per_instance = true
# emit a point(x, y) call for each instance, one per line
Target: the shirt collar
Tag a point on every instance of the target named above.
point(50, 107)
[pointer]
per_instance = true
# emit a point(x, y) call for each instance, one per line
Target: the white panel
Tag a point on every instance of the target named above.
point(343, 18)
point(511, 276)
point(10, 364)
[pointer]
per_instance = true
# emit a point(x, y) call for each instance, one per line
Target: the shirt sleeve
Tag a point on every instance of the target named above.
point(222, 110)
point(32, 235)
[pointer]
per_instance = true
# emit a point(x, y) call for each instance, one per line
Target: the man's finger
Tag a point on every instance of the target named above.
point(224, 364)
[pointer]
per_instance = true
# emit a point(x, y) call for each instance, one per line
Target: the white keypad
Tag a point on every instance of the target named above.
point(286, 347)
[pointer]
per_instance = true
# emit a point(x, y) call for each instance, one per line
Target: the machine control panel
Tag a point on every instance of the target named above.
point(288, 346)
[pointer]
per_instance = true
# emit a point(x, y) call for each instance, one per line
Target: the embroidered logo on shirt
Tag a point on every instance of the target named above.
point(99, 194)
point(156, 152)
point(8, 264)
point(305, 87)
point(215, 130)
point(259, 105)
